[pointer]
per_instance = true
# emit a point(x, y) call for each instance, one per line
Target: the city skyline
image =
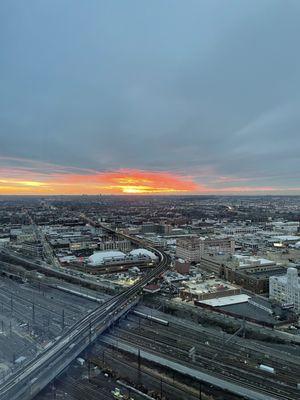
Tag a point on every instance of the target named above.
point(143, 98)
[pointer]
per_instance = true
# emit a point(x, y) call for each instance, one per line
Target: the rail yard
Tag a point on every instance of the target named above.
point(217, 354)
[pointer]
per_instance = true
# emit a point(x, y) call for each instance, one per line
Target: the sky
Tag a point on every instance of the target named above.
point(149, 97)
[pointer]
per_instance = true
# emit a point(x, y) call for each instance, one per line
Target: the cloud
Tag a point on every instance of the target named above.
point(204, 90)
point(52, 179)
point(112, 182)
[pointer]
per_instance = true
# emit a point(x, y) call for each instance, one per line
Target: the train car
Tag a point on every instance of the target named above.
point(152, 318)
point(266, 368)
point(158, 320)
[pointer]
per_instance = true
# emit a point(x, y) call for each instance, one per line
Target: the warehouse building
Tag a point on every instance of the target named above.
point(106, 257)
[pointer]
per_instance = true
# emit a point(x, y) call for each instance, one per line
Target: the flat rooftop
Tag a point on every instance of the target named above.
point(208, 286)
point(248, 260)
point(226, 301)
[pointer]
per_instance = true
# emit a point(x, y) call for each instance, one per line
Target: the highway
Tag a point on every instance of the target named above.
point(35, 375)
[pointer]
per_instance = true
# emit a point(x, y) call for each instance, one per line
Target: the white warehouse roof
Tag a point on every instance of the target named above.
point(143, 252)
point(286, 238)
point(101, 257)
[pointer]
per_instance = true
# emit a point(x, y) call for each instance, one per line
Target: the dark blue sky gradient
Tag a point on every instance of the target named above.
point(207, 89)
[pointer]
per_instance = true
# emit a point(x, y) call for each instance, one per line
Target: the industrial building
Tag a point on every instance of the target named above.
point(116, 257)
point(143, 253)
point(122, 245)
point(250, 272)
point(148, 227)
point(189, 249)
point(285, 289)
point(106, 257)
point(192, 249)
point(182, 267)
point(208, 289)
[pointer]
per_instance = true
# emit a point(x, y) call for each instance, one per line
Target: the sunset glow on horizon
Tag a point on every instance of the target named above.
point(134, 101)
point(115, 182)
point(124, 181)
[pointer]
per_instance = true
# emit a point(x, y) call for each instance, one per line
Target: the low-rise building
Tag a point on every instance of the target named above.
point(250, 272)
point(116, 257)
point(182, 267)
point(104, 257)
point(213, 263)
point(208, 289)
point(122, 245)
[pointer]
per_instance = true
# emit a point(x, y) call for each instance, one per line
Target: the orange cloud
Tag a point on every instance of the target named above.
point(117, 182)
point(127, 181)
point(54, 179)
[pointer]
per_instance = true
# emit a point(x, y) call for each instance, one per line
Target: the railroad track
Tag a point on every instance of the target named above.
point(230, 369)
point(218, 340)
point(185, 361)
point(68, 314)
point(80, 334)
point(185, 392)
point(214, 349)
point(83, 390)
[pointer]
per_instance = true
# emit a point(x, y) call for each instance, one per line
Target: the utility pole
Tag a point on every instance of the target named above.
point(90, 333)
point(200, 390)
point(139, 359)
point(244, 328)
point(89, 370)
point(54, 389)
point(63, 320)
point(33, 313)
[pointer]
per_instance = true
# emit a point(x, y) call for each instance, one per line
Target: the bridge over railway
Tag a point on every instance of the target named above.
point(35, 375)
